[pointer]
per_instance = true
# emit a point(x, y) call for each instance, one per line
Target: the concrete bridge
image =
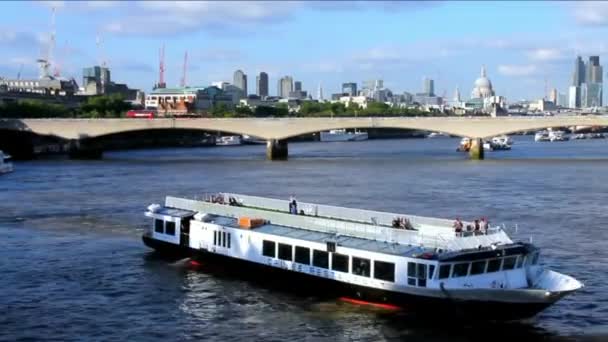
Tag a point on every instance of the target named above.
point(276, 130)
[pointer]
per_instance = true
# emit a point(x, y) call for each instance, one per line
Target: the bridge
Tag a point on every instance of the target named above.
point(277, 130)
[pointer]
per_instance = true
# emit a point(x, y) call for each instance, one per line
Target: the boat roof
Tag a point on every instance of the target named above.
point(174, 212)
point(323, 237)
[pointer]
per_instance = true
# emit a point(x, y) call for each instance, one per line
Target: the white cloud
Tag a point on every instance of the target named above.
point(156, 17)
point(101, 4)
point(591, 13)
point(517, 70)
point(546, 54)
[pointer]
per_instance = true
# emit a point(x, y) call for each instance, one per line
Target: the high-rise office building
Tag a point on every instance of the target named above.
point(297, 86)
point(261, 85)
point(587, 83)
point(240, 81)
point(349, 88)
point(429, 87)
point(285, 86)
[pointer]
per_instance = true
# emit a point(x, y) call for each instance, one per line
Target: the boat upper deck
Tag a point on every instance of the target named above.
point(426, 235)
point(322, 237)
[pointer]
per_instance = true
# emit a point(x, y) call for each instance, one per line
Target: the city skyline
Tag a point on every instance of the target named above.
point(285, 39)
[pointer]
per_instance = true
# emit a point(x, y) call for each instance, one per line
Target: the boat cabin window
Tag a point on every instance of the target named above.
point(158, 226)
point(509, 263)
point(228, 240)
point(215, 237)
point(320, 259)
point(339, 262)
point(268, 248)
point(494, 265)
point(384, 270)
point(461, 270)
point(303, 255)
point(285, 252)
point(534, 258)
point(520, 261)
point(478, 267)
point(444, 271)
point(361, 267)
point(416, 274)
point(170, 228)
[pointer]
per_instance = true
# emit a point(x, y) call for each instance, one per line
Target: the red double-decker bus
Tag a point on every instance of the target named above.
point(141, 114)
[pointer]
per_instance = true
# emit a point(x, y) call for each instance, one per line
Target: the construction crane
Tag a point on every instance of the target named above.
point(161, 68)
point(50, 58)
point(184, 71)
point(19, 72)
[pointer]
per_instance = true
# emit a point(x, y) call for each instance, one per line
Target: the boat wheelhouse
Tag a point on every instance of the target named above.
point(359, 253)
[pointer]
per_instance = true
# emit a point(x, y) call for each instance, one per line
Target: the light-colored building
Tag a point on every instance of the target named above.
point(240, 81)
point(573, 97)
point(284, 86)
point(182, 101)
point(483, 86)
point(361, 101)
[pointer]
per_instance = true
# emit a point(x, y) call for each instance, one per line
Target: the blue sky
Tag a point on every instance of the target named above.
point(522, 44)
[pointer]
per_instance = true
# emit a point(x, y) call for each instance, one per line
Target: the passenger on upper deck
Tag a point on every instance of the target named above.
point(484, 225)
point(293, 206)
point(458, 226)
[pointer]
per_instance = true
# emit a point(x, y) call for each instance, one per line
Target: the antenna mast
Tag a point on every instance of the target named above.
point(184, 71)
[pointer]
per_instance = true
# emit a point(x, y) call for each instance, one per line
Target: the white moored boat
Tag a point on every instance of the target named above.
point(5, 166)
point(541, 136)
point(342, 135)
point(228, 140)
point(425, 265)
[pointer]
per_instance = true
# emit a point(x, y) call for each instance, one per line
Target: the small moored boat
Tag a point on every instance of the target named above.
point(5, 166)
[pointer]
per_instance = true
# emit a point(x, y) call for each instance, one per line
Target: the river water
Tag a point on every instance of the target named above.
point(73, 266)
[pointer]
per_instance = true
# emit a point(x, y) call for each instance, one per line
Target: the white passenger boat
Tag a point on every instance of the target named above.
point(249, 140)
point(558, 136)
point(353, 253)
point(228, 140)
point(342, 135)
point(434, 135)
point(541, 136)
point(5, 166)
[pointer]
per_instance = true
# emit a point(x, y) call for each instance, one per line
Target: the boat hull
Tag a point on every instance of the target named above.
point(306, 284)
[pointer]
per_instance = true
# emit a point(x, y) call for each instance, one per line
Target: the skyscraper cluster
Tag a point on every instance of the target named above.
point(587, 83)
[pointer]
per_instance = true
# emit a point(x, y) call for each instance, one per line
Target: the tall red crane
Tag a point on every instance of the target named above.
point(184, 71)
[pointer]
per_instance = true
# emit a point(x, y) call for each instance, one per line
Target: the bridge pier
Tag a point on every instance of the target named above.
point(84, 149)
point(476, 150)
point(276, 149)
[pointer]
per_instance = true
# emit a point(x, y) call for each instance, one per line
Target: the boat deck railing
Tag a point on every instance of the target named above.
point(337, 227)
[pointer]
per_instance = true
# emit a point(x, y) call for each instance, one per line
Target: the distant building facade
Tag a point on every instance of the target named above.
point(261, 85)
point(284, 86)
point(349, 88)
point(240, 81)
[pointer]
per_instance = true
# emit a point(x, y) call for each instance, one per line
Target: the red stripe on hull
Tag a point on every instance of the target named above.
point(377, 305)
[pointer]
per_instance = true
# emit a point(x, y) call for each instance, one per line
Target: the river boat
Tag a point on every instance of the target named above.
point(558, 136)
point(420, 264)
point(342, 135)
point(434, 135)
point(249, 140)
point(541, 136)
point(5, 167)
point(465, 145)
point(228, 140)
